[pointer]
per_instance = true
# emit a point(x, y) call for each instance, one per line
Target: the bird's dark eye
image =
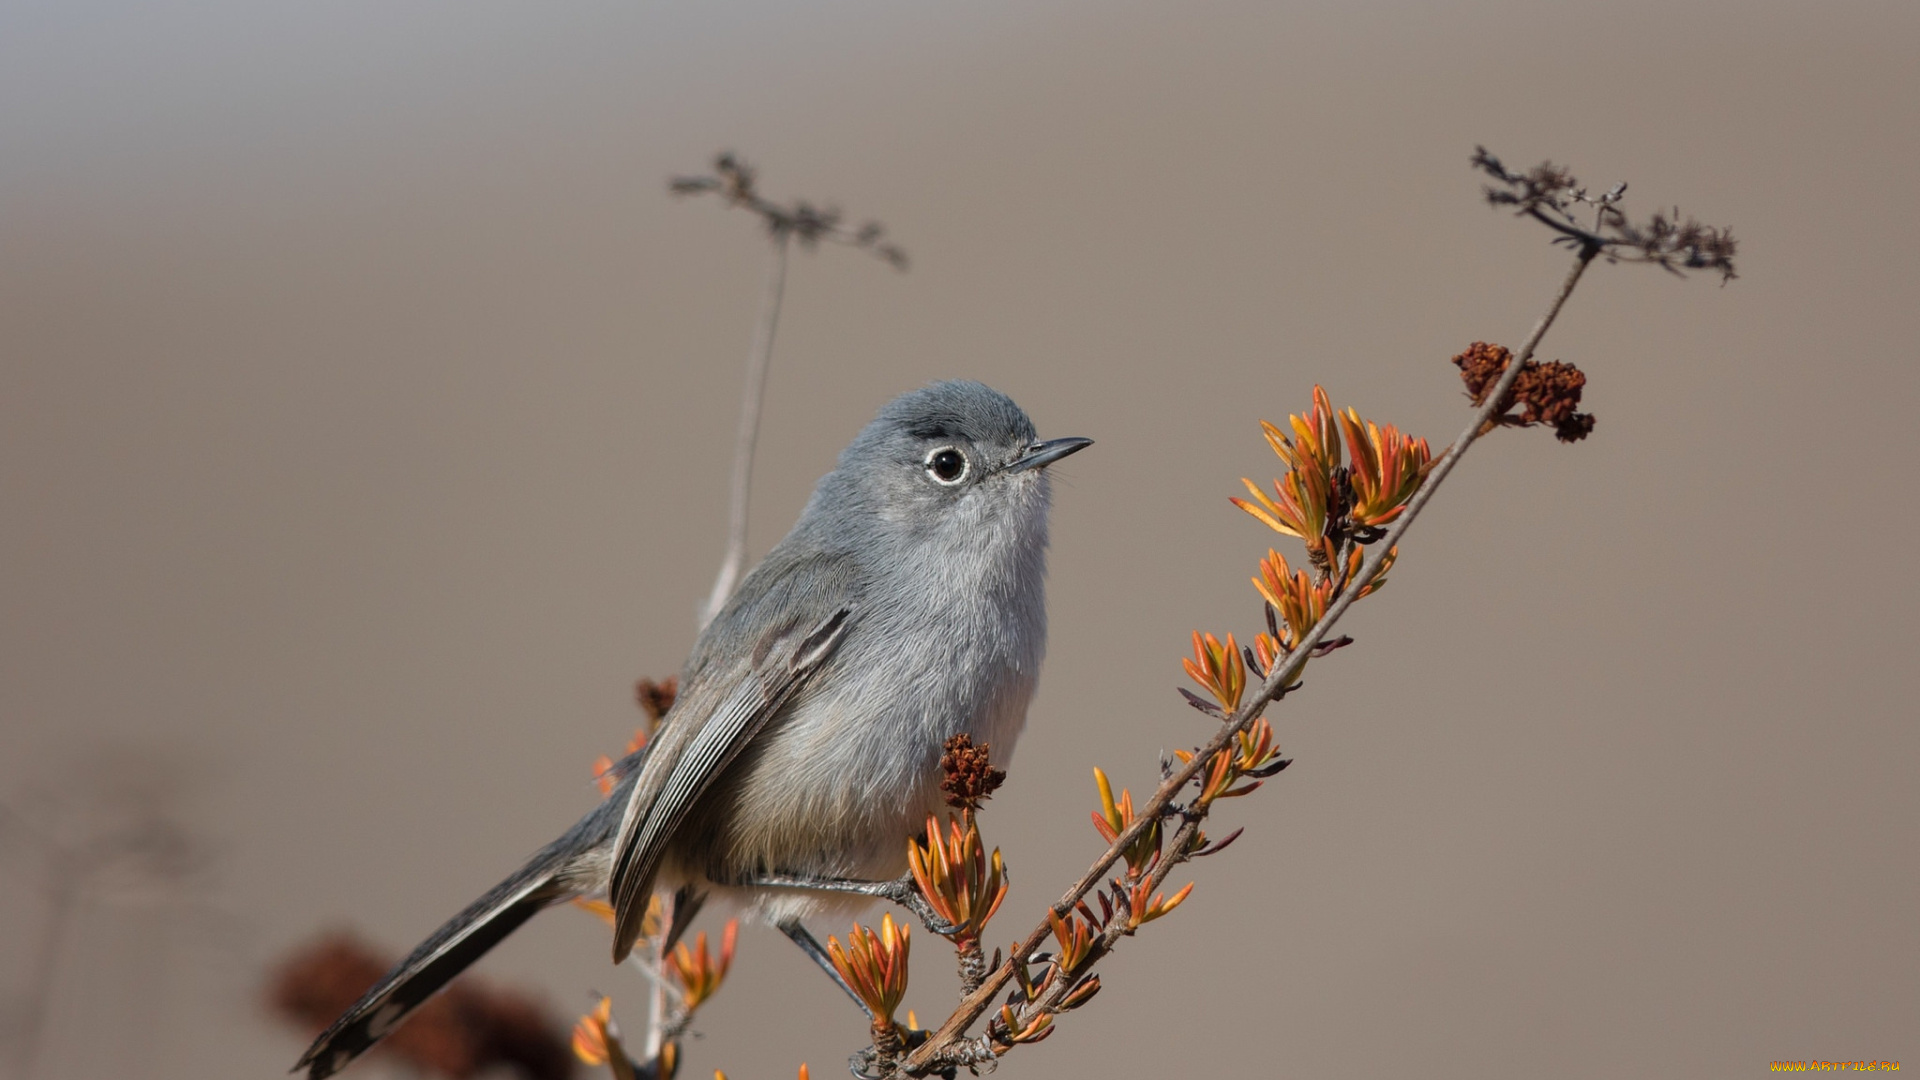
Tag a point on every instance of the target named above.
point(947, 465)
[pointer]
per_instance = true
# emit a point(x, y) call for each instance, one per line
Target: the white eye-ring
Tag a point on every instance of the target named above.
point(947, 465)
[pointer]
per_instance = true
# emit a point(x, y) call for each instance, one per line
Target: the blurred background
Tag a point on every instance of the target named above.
point(364, 435)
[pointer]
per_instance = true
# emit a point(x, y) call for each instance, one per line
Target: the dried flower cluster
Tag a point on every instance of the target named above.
point(967, 775)
point(1546, 393)
point(735, 182)
point(1549, 194)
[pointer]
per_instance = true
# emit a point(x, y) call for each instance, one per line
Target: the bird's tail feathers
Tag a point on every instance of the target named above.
point(427, 970)
point(547, 879)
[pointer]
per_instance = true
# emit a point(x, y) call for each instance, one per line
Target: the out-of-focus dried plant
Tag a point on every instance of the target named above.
point(468, 1029)
point(736, 184)
point(117, 841)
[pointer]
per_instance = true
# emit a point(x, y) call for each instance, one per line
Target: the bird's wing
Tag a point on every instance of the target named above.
point(784, 623)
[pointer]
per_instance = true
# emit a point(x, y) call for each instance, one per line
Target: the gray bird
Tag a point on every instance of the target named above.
point(907, 606)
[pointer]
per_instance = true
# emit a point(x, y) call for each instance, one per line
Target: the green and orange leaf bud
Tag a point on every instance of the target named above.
point(1329, 504)
point(1076, 937)
point(591, 1032)
point(1302, 498)
point(649, 923)
point(596, 1041)
point(1141, 910)
point(874, 965)
point(957, 878)
point(1387, 468)
point(1115, 817)
point(1082, 993)
point(1267, 650)
point(1295, 596)
point(1255, 746)
point(1012, 1033)
point(698, 973)
point(1219, 669)
point(1355, 558)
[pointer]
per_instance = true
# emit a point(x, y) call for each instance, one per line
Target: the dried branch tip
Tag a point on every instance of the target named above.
point(1550, 194)
point(736, 182)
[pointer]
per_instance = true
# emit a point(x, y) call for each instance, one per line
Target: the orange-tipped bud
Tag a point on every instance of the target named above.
point(875, 965)
point(1076, 937)
point(1219, 669)
point(591, 1033)
point(649, 923)
point(1012, 1033)
point(698, 973)
point(1116, 816)
point(955, 875)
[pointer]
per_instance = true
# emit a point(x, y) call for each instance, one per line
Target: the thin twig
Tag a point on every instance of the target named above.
point(1283, 676)
point(656, 960)
point(752, 394)
point(736, 183)
point(62, 896)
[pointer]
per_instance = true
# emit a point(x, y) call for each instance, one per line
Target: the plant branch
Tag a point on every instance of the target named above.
point(752, 395)
point(736, 183)
point(1278, 682)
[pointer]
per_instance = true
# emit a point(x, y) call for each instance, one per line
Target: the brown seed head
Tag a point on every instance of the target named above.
point(1546, 393)
point(968, 776)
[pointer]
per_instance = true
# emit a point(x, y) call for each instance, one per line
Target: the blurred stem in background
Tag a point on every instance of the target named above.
point(733, 180)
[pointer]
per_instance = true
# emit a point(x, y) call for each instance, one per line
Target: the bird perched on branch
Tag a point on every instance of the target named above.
point(907, 606)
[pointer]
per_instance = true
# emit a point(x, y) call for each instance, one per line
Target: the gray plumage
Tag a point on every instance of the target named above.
point(906, 606)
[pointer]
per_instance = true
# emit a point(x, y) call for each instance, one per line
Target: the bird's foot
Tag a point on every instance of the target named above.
point(901, 890)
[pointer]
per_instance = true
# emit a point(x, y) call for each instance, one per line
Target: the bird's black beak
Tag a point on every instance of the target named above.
point(1042, 454)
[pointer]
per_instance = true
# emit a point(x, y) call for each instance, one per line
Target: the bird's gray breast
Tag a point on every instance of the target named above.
point(948, 638)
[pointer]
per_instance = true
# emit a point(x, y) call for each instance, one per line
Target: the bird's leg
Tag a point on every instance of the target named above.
point(901, 890)
point(811, 946)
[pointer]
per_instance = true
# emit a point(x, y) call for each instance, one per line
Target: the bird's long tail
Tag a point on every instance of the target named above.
point(551, 876)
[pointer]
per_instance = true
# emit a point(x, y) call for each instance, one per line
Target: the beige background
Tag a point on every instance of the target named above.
point(362, 438)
